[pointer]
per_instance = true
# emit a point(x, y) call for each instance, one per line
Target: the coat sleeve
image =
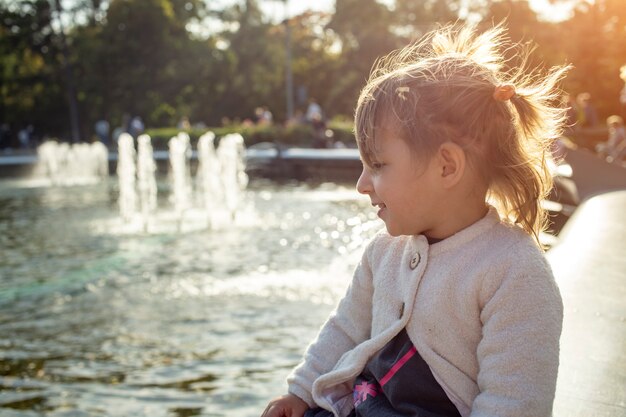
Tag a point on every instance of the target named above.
point(518, 355)
point(347, 326)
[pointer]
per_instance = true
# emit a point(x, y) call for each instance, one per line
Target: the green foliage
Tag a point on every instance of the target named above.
point(594, 40)
point(138, 57)
point(362, 43)
point(413, 18)
point(300, 135)
point(29, 66)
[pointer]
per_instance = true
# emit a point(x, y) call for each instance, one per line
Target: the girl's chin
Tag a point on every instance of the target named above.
point(393, 231)
point(396, 231)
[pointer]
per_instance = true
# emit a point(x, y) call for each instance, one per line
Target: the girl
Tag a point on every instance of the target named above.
point(453, 311)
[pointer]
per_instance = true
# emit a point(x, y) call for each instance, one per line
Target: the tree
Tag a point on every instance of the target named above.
point(594, 40)
point(363, 30)
point(135, 63)
point(413, 18)
point(256, 55)
point(524, 28)
point(142, 57)
point(29, 67)
point(314, 63)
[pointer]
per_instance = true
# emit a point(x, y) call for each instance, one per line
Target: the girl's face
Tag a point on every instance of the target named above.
point(406, 191)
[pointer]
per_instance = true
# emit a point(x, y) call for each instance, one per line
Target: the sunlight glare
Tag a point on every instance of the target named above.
point(553, 11)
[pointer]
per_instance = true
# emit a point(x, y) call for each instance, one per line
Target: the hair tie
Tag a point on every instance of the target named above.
point(504, 92)
point(401, 92)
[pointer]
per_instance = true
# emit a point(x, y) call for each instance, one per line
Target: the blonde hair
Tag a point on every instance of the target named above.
point(443, 88)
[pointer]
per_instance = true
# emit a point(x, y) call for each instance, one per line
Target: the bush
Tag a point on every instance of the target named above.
point(300, 135)
point(161, 136)
point(342, 132)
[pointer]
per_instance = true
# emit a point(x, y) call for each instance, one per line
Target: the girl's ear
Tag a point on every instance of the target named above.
point(452, 162)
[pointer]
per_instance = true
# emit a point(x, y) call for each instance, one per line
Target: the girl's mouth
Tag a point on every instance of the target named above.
point(381, 207)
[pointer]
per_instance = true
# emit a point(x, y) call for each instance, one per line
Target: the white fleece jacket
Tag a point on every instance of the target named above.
point(481, 307)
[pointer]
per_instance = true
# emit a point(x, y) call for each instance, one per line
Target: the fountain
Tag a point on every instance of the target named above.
point(220, 180)
point(209, 184)
point(231, 154)
point(126, 174)
point(181, 195)
point(80, 163)
point(215, 200)
point(146, 180)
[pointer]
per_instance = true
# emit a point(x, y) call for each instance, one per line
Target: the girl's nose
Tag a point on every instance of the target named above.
point(364, 184)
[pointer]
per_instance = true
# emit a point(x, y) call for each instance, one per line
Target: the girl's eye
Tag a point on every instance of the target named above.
point(377, 165)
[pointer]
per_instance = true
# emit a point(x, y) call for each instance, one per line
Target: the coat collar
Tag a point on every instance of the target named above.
point(461, 237)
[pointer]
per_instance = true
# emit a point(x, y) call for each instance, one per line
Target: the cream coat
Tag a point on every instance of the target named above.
point(481, 307)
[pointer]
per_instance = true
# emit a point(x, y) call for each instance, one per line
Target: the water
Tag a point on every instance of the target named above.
point(146, 180)
point(126, 172)
point(209, 175)
point(100, 320)
point(79, 163)
point(180, 154)
point(231, 154)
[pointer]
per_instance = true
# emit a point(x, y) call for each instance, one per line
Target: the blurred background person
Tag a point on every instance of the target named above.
point(614, 149)
point(587, 115)
point(622, 94)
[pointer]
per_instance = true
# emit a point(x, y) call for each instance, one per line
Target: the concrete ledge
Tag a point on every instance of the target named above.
point(590, 267)
point(266, 160)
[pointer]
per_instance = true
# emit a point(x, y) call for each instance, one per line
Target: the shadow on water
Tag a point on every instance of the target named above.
point(186, 412)
point(27, 401)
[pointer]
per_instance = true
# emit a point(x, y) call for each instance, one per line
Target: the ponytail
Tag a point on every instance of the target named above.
point(520, 184)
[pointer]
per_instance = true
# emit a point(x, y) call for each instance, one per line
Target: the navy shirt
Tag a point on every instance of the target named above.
point(398, 382)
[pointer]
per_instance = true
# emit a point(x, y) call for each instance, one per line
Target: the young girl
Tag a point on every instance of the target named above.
point(453, 311)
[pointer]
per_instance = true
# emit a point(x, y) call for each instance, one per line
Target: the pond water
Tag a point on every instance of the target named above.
point(98, 319)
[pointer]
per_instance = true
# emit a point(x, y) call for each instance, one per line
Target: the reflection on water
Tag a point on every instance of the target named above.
point(96, 320)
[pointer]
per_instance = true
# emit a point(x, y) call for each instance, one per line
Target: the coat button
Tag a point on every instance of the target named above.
point(415, 260)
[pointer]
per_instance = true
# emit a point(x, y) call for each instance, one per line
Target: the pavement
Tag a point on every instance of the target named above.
point(589, 264)
point(592, 175)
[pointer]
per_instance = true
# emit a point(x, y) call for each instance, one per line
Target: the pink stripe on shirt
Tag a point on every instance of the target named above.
point(396, 367)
